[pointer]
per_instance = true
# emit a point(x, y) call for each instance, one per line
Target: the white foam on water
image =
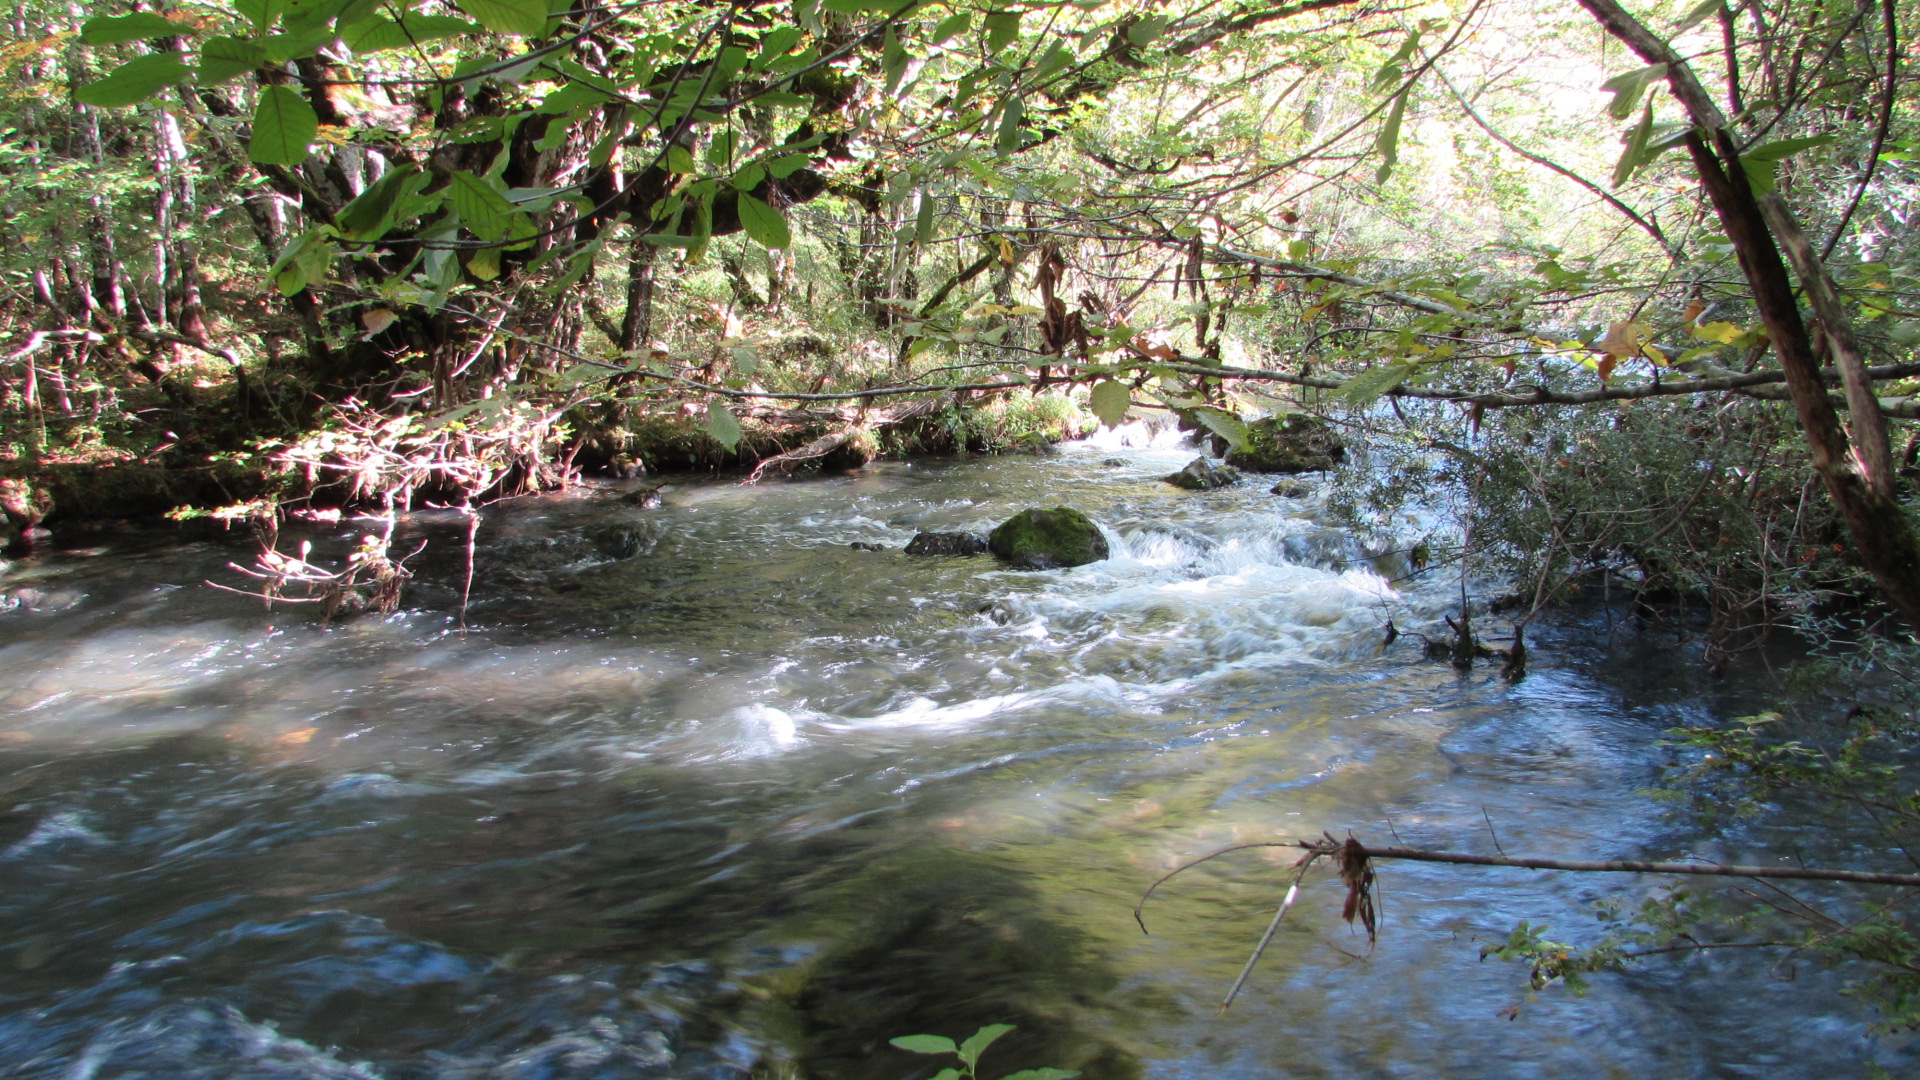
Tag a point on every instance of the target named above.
point(56, 829)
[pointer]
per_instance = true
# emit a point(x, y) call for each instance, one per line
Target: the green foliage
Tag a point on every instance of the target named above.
point(518, 18)
point(968, 1054)
point(1110, 402)
point(138, 26)
point(136, 80)
point(283, 125)
point(721, 425)
point(763, 223)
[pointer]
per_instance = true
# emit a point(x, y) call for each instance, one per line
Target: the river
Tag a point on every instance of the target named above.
point(703, 791)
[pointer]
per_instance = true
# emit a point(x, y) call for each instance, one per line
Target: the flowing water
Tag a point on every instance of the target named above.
point(702, 791)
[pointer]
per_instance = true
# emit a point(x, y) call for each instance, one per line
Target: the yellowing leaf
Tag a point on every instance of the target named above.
point(1624, 338)
point(484, 263)
point(1720, 332)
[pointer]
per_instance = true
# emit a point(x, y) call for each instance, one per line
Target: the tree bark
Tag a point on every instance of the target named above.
point(636, 326)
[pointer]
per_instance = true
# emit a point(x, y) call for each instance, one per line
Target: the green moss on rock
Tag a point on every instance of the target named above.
point(1289, 444)
point(1036, 539)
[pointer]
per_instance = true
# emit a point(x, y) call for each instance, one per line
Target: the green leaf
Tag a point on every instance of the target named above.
point(1394, 70)
point(482, 210)
point(750, 177)
point(281, 48)
point(139, 26)
point(1110, 401)
point(261, 13)
point(1388, 144)
point(702, 228)
point(778, 42)
point(1147, 30)
point(369, 216)
point(289, 272)
point(1635, 153)
point(863, 7)
point(1374, 383)
point(894, 59)
point(925, 223)
point(283, 125)
point(223, 58)
point(1224, 424)
point(725, 430)
point(1701, 12)
point(1762, 163)
point(134, 81)
point(786, 165)
point(951, 27)
point(520, 18)
point(1626, 89)
point(1784, 148)
point(763, 223)
point(1002, 28)
point(679, 160)
point(978, 1042)
point(926, 1044)
point(374, 35)
point(1012, 113)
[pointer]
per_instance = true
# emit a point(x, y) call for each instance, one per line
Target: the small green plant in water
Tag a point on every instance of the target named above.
point(969, 1054)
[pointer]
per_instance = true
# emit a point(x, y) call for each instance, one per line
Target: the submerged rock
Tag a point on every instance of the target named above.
point(619, 541)
point(1289, 444)
point(1036, 539)
point(862, 545)
point(1203, 475)
point(947, 543)
point(1291, 489)
point(645, 497)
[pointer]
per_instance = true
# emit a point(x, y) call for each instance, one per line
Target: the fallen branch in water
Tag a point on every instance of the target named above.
point(1356, 873)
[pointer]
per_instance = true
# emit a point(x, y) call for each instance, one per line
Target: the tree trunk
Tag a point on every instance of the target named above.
point(636, 326)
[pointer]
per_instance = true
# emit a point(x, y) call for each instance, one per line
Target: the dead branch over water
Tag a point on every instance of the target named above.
point(1355, 862)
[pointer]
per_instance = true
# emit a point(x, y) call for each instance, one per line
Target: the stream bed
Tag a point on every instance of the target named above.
point(701, 790)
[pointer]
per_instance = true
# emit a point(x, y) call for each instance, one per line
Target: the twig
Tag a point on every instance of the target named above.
point(1293, 893)
point(1490, 832)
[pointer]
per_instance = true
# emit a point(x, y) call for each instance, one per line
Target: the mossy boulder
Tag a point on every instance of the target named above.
point(1289, 444)
point(1203, 475)
point(1036, 539)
